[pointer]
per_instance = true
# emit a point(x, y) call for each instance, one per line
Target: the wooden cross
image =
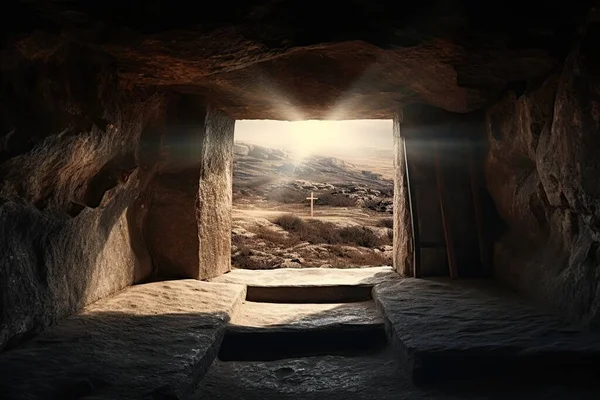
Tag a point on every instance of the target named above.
point(312, 199)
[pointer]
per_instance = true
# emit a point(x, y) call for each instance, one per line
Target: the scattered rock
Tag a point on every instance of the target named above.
point(371, 175)
point(383, 206)
point(242, 232)
point(289, 264)
point(240, 149)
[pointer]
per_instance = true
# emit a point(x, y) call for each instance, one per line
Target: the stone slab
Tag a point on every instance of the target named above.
point(147, 341)
point(309, 277)
point(309, 285)
point(277, 316)
point(466, 330)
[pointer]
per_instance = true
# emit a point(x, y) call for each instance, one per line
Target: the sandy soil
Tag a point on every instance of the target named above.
point(351, 222)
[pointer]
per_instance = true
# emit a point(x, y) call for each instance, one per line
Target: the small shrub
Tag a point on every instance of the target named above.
point(335, 200)
point(386, 223)
point(360, 236)
point(278, 238)
point(310, 231)
point(290, 223)
point(350, 259)
point(237, 240)
point(286, 196)
point(321, 232)
point(244, 260)
point(318, 232)
point(372, 203)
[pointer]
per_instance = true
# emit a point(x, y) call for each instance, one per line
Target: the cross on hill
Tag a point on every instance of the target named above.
point(312, 199)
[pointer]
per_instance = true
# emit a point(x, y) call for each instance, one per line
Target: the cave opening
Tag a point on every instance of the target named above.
point(314, 193)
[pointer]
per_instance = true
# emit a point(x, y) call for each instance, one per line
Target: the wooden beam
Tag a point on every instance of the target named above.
point(412, 201)
point(450, 253)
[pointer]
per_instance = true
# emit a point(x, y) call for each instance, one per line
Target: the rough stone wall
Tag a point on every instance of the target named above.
point(215, 195)
point(188, 223)
point(102, 187)
point(403, 246)
point(67, 177)
point(170, 229)
point(543, 173)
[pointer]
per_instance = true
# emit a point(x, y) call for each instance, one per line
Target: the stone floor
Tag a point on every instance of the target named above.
point(146, 341)
point(378, 375)
point(378, 369)
point(416, 339)
point(469, 329)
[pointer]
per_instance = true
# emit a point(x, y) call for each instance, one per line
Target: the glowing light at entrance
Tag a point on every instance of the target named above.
point(307, 137)
point(314, 136)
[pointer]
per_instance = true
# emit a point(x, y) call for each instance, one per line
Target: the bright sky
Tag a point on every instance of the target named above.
point(312, 136)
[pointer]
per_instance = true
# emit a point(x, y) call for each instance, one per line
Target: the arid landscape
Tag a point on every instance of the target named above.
point(272, 225)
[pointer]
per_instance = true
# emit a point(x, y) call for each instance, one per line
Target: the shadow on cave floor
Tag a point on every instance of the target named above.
point(378, 375)
point(344, 359)
point(113, 355)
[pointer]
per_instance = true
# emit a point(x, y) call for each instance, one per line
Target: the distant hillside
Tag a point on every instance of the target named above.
point(276, 175)
point(354, 206)
point(253, 162)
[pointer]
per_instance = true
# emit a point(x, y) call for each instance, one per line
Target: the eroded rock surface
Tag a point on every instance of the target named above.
point(86, 181)
point(69, 234)
point(357, 60)
point(542, 172)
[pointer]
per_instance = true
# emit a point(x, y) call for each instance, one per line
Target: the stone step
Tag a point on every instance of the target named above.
point(147, 341)
point(470, 330)
point(309, 285)
point(268, 331)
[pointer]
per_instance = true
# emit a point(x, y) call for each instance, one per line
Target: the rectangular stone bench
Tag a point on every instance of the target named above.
point(464, 330)
point(147, 341)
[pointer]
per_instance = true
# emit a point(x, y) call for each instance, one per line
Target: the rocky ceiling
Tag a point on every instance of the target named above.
point(284, 59)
